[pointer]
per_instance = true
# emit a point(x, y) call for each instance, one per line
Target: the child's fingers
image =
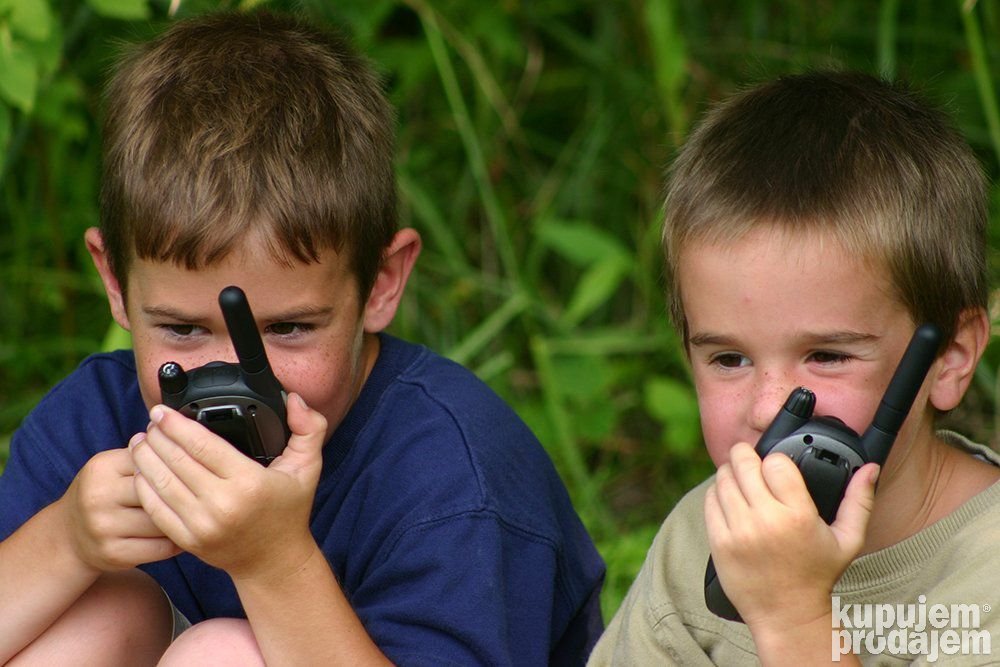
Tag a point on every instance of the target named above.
point(171, 479)
point(195, 454)
point(856, 509)
point(308, 436)
point(746, 465)
point(784, 480)
point(160, 505)
point(108, 477)
point(715, 520)
point(733, 507)
point(305, 422)
point(136, 522)
point(164, 465)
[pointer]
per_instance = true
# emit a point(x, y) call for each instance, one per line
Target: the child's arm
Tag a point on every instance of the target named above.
point(97, 526)
point(253, 522)
point(777, 559)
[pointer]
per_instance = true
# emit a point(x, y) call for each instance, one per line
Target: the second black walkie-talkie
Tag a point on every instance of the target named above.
point(244, 403)
point(827, 451)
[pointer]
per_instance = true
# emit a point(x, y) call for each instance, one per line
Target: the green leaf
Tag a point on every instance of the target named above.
point(4, 449)
point(5, 129)
point(61, 108)
point(46, 52)
point(129, 10)
point(31, 19)
point(596, 421)
point(116, 338)
point(579, 242)
point(673, 403)
point(597, 285)
point(582, 377)
point(18, 76)
point(666, 38)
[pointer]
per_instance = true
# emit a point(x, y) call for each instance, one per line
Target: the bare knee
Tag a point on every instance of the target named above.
point(124, 618)
point(218, 641)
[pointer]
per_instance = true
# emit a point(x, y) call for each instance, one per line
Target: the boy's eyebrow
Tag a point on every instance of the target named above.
point(303, 312)
point(700, 339)
point(826, 338)
point(168, 313)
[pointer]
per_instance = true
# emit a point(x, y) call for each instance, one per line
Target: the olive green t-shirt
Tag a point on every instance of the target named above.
point(955, 561)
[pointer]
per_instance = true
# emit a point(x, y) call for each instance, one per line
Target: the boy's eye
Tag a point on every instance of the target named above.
point(288, 328)
point(731, 360)
point(827, 357)
point(181, 330)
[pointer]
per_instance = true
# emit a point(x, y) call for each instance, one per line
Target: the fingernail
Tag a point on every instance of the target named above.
point(136, 439)
point(156, 414)
point(302, 401)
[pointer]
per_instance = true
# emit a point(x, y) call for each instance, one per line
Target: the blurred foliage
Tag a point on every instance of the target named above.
point(533, 137)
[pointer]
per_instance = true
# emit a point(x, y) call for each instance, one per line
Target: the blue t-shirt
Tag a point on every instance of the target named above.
point(438, 510)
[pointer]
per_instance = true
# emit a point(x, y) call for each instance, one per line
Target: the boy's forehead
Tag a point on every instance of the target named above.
point(778, 235)
point(803, 248)
point(276, 280)
point(785, 275)
point(751, 252)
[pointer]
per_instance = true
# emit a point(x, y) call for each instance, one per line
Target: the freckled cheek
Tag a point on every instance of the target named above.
point(148, 367)
point(856, 411)
point(326, 384)
point(718, 434)
point(718, 452)
point(725, 419)
point(148, 361)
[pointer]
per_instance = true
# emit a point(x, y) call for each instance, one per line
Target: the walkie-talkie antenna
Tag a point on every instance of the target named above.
point(243, 403)
point(901, 392)
point(247, 342)
point(243, 330)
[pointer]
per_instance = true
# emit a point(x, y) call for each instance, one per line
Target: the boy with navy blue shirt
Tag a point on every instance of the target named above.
point(412, 517)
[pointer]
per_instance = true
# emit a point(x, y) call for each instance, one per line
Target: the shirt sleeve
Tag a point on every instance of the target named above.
point(89, 411)
point(663, 619)
point(30, 482)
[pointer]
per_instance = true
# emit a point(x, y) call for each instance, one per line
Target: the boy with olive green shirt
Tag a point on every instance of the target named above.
point(811, 224)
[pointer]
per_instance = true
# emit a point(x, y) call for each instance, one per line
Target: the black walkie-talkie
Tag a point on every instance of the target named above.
point(244, 403)
point(827, 451)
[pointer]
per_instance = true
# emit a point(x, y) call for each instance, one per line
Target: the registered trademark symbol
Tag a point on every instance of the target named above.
point(986, 607)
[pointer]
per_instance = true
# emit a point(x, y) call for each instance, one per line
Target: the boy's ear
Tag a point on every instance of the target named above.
point(397, 262)
point(959, 359)
point(95, 246)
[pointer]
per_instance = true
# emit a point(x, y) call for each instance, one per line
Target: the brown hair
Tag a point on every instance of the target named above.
point(846, 154)
point(256, 126)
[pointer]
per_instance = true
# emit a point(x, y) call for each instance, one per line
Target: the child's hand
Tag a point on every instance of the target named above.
point(109, 528)
point(776, 558)
point(224, 507)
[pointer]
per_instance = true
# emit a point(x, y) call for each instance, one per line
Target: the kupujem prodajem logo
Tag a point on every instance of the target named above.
point(909, 630)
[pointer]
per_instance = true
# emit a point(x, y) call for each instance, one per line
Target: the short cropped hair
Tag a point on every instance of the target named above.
point(846, 154)
point(239, 126)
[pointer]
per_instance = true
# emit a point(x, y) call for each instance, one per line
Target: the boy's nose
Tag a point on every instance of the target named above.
point(228, 353)
point(223, 351)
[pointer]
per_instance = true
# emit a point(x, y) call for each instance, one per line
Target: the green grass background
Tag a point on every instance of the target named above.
point(533, 137)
